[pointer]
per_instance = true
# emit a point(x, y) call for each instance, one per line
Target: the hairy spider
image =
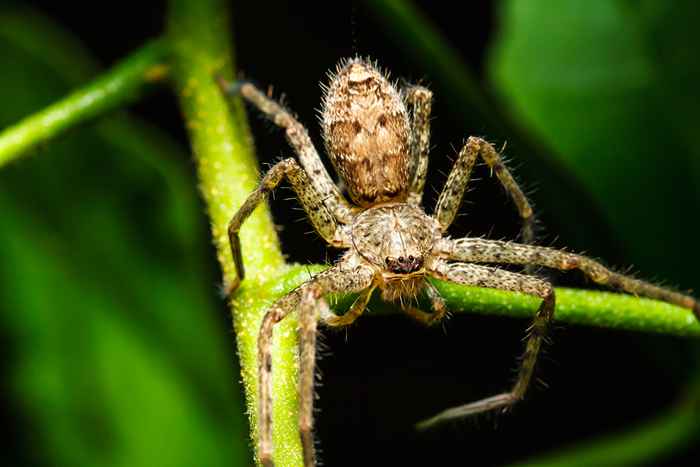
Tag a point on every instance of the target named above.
point(377, 137)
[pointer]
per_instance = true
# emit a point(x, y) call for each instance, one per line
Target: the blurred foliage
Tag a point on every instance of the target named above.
point(661, 437)
point(609, 86)
point(119, 357)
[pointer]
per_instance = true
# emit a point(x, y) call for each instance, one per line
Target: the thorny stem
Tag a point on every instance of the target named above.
point(227, 172)
point(113, 89)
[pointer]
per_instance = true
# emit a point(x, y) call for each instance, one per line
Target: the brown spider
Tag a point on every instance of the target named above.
point(377, 138)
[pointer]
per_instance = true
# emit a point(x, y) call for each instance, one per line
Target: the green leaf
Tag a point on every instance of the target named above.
point(121, 354)
point(609, 87)
point(657, 439)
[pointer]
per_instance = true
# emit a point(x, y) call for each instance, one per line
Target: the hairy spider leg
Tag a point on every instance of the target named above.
point(299, 140)
point(478, 250)
point(451, 196)
point(310, 199)
point(473, 250)
point(484, 276)
point(309, 299)
point(419, 101)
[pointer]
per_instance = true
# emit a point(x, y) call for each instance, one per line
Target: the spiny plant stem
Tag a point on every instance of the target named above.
point(227, 172)
point(115, 88)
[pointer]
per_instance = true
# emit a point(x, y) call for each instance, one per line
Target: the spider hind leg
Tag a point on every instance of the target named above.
point(483, 276)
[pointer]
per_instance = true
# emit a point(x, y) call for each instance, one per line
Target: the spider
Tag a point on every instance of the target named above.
point(377, 137)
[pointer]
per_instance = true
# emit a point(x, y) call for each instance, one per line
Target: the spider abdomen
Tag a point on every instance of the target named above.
point(366, 130)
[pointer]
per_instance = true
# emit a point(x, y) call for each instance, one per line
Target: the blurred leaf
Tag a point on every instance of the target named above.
point(612, 87)
point(119, 355)
point(658, 439)
point(472, 104)
point(609, 86)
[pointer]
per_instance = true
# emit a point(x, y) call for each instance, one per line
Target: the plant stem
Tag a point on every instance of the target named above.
point(227, 172)
point(574, 306)
point(116, 87)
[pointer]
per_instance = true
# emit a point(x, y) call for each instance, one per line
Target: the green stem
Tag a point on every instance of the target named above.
point(47, 43)
point(227, 172)
point(574, 306)
point(114, 88)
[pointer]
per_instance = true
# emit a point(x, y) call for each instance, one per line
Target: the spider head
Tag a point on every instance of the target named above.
point(403, 264)
point(366, 131)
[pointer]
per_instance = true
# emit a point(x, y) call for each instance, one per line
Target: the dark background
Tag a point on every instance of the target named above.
point(386, 372)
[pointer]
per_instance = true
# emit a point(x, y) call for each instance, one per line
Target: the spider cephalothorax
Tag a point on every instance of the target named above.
point(377, 138)
point(396, 239)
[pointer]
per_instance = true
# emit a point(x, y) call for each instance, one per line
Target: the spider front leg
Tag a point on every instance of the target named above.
point(494, 251)
point(419, 100)
point(483, 276)
point(299, 140)
point(451, 196)
point(277, 312)
point(311, 200)
point(310, 301)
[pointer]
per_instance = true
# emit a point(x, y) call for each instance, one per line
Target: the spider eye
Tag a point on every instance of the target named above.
point(401, 259)
point(410, 257)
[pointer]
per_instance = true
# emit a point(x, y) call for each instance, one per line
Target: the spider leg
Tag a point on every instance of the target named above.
point(299, 140)
point(312, 304)
point(311, 200)
point(309, 299)
point(484, 276)
point(438, 305)
point(451, 196)
point(274, 315)
point(494, 251)
point(419, 100)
